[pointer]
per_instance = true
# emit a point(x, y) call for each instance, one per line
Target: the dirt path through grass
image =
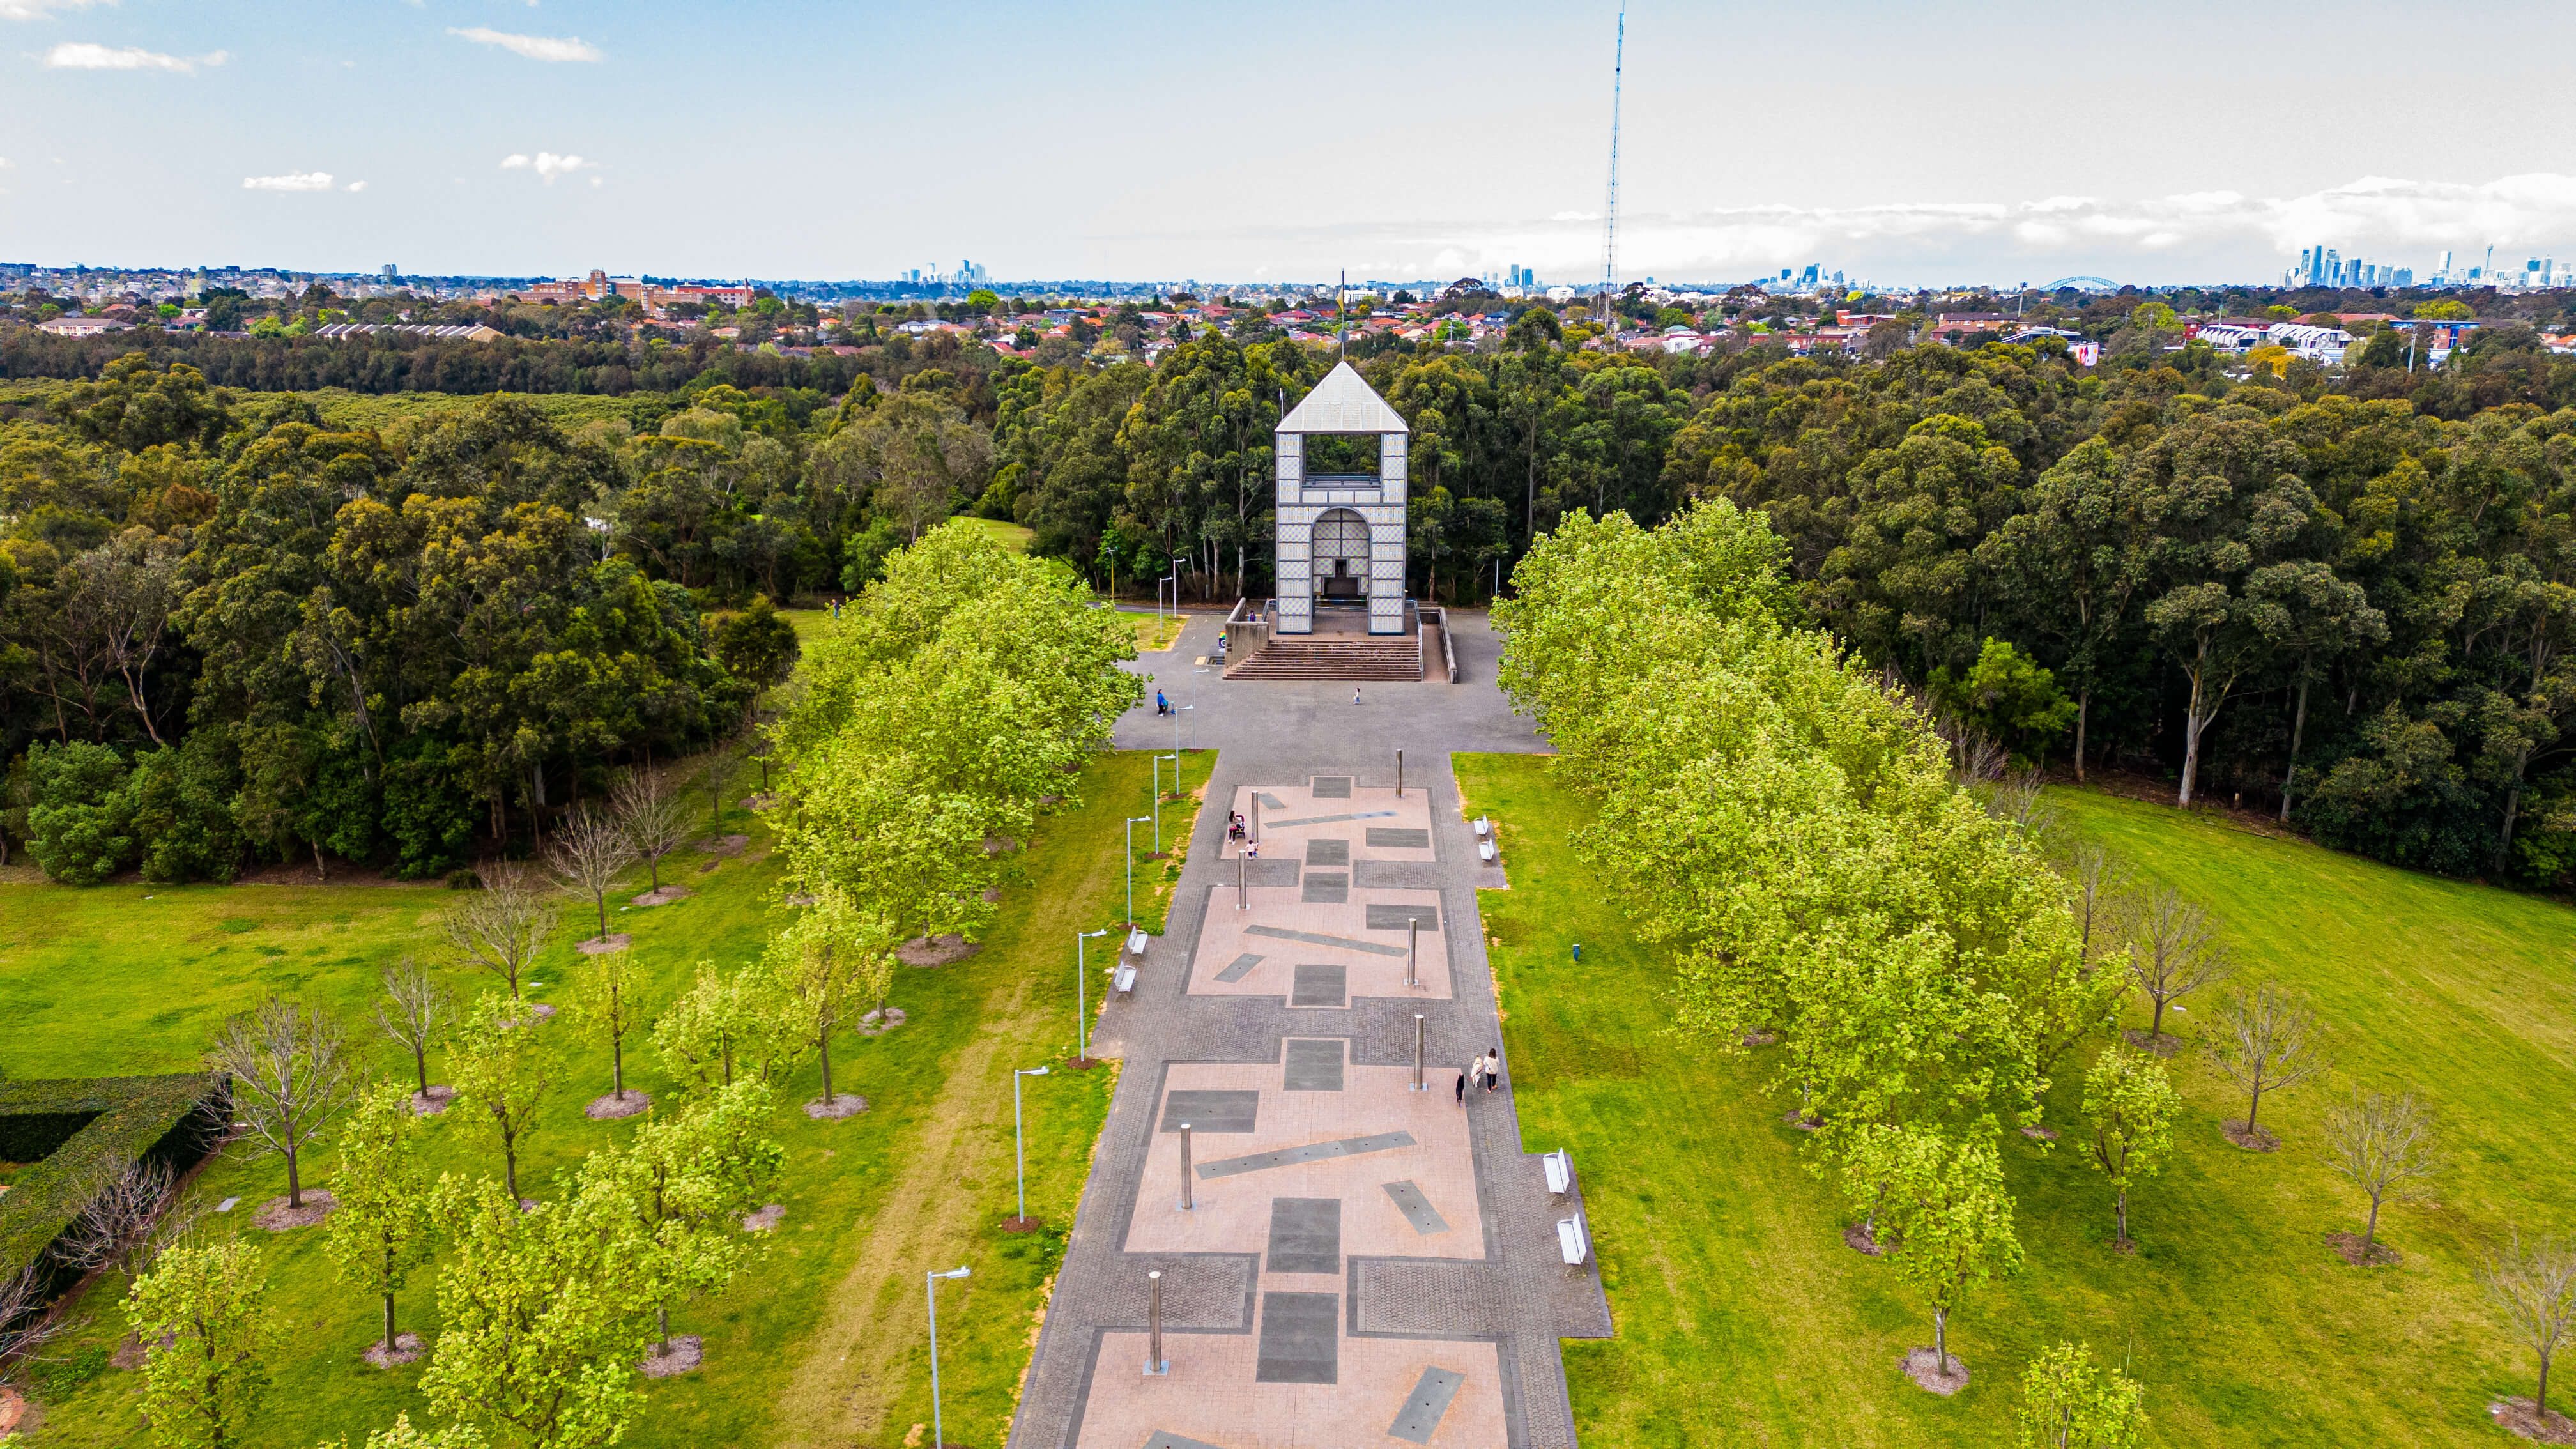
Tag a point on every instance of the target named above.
point(862, 1378)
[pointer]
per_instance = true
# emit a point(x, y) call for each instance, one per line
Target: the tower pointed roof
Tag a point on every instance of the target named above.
point(1343, 403)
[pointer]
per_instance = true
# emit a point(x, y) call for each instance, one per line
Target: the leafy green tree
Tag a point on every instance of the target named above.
point(832, 954)
point(606, 994)
point(1945, 1221)
point(503, 1074)
point(2067, 1403)
point(2008, 698)
point(134, 406)
point(382, 1226)
point(541, 1314)
point(688, 1178)
point(403, 1436)
point(204, 1388)
point(757, 646)
point(700, 1034)
point(79, 823)
point(2129, 1106)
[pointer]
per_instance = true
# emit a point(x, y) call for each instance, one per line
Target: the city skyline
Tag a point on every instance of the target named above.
point(1994, 145)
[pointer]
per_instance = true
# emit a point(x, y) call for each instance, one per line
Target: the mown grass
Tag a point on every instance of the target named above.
point(1155, 633)
point(1743, 1319)
point(102, 981)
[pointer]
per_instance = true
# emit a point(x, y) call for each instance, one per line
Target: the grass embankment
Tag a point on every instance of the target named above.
point(1155, 632)
point(820, 1344)
point(1742, 1317)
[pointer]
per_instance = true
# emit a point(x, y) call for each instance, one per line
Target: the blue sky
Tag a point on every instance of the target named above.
point(1926, 142)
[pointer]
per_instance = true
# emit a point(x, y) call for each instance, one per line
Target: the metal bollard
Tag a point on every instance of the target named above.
point(1399, 774)
point(1253, 836)
point(1186, 1203)
point(1412, 951)
point(1417, 1051)
point(1155, 1363)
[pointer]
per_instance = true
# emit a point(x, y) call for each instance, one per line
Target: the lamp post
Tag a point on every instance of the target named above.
point(930, 1290)
point(1135, 821)
point(1019, 1138)
point(1081, 996)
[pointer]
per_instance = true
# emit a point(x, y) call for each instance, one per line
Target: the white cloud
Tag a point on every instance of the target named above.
point(291, 181)
point(84, 56)
point(531, 47)
point(41, 9)
point(549, 165)
point(2390, 220)
point(357, 186)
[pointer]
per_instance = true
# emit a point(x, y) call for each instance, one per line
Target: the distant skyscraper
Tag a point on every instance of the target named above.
point(389, 271)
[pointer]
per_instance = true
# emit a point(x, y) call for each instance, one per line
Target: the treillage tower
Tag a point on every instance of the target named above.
point(1341, 506)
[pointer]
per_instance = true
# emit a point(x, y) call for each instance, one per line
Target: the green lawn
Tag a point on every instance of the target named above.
point(821, 1343)
point(1016, 535)
point(1742, 1318)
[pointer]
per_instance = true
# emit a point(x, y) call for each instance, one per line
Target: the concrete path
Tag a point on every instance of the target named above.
point(1361, 1263)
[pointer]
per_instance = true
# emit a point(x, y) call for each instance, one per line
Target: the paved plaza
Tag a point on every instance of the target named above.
point(1360, 1262)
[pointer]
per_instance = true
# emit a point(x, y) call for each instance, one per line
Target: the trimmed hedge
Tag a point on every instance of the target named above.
point(86, 1123)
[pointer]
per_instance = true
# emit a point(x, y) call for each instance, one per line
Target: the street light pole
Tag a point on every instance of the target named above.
point(930, 1289)
point(1132, 822)
point(1019, 1137)
point(1081, 996)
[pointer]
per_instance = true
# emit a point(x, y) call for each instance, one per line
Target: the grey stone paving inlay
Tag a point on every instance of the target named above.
point(1328, 852)
point(1311, 1152)
point(1383, 837)
point(1392, 918)
point(1240, 968)
point(1278, 933)
point(1326, 888)
point(1331, 787)
point(1331, 819)
point(1321, 986)
point(1417, 1209)
point(1210, 1111)
point(1428, 1404)
point(1314, 1066)
point(1269, 801)
point(1165, 1439)
point(1305, 1235)
point(1301, 1338)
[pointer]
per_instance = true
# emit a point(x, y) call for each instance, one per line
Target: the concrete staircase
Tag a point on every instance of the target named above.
point(1333, 656)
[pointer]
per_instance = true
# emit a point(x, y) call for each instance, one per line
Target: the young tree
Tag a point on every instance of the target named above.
point(2534, 1291)
point(2377, 1142)
point(687, 1179)
point(654, 819)
point(2130, 1104)
point(587, 856)
point(416, 1008)
point(500, 927)
point(291, 1072)
point(2173, 953)
point(123, 1224)
point(539, 1311)
point(1944, 1218)
point(2267, 1040)
point(2066, 1406)
point(606, 999)
point(700, 1034)
point(403, 1436)
point(202, 1389)
point(503, 1072)
point(830, 951)
point(382, 1228)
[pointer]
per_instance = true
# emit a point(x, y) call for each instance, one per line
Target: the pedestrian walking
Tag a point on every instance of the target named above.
point(1355, 694)
point(1492, 1065)
point(1473, 1076)
point(1462, 1089)
point(1162, 706)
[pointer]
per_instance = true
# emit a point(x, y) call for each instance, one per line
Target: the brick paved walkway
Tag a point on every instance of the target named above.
point(1363, 1264)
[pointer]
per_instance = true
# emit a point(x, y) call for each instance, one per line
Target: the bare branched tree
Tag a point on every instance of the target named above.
point(416, 1009)
point(2097, 888)
point(2016, 801)
point(2534, 1289)
point(2173, 952)
point(2379, 1142)
point(27, 1324)
point(2267, 1039)
point(131, 1215)
point(586, 857)
point(501, 926)
point(291, 1072)
point(655, 820)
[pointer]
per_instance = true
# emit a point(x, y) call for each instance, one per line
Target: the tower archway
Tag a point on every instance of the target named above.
point(1341, 553)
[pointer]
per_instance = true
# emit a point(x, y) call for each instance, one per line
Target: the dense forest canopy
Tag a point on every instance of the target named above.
point(239, 618)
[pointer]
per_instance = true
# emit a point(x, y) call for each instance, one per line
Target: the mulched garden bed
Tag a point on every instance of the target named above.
point(2515, 1416)
point(2347, 1246)
point(935, 950)
point(613, 1106)
point(433, 1101)
point(842, 1104)
point(275, 1216)
point(687, 1351)
point(1945, 1379)
point(2251, 1139)
point(407, 1349)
